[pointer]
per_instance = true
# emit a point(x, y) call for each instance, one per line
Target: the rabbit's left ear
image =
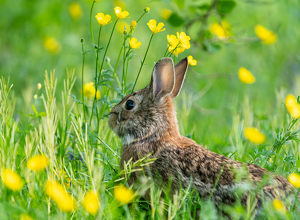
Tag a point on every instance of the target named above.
point(163, 78)
point(180, 71)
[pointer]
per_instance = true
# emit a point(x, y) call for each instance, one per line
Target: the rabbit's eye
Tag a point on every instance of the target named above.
point(129, 104)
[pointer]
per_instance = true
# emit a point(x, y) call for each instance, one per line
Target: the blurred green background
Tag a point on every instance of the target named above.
point(213, 98)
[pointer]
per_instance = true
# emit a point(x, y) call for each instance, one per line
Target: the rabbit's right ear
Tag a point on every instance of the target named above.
point(163, 78)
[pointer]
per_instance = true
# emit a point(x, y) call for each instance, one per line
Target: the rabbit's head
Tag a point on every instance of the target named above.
point(149, 113)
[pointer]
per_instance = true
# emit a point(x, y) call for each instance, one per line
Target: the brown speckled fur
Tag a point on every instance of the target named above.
point(151, 127)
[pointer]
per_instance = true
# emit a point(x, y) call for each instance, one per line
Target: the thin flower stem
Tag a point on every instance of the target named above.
point(141, 17)
point(124, 59)
point(82, 73)
point(91, 26)
point(166, 52)
point(114, 73)
point(142, 62)
point(96, 78)
point(125, 80)
point(107, 48)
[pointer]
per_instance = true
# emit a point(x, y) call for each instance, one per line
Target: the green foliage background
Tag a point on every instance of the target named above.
point(214, 106)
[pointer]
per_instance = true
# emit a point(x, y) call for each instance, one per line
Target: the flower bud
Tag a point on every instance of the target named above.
point(147, 9)
point(125, 32)
point(82, 41)
point(133, 24)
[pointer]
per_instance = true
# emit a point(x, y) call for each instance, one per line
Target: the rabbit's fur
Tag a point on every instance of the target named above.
point(151, 127)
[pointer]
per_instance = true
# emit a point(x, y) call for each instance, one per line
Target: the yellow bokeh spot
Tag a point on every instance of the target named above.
point(38, 163)
point(292, 106)
point(268, 37)
point(52, 45)
point(254, 135)
point(91, 202)
point(25, 217)
point(166, 13)
point(75, 10)
point(123, 194)
point(90, 91)
point(61, 197)
point(246, 76)
point(11, 179)
point(221, 31)
point(279, 206)
point(121, 26)
point(294, 179)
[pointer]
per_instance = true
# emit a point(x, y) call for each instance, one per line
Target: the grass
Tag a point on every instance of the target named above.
point(72, 131)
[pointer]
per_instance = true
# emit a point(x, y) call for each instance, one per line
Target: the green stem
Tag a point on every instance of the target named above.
point(82, 73)
point(295, 200)
point(141, 17)
point(166, 52)
point(124, 59)
point(142, 63)
point(96, 78)
point(126, 70)
point(107, 48)
point(91, 27)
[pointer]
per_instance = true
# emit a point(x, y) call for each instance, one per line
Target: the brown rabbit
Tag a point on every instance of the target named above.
point(146, 123)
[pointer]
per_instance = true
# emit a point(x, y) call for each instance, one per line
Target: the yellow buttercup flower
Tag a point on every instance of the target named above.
point(91, 202)
point(220, 30)
point(279, 206)
point(75, 10)
point(294, 179)
point(178, 44)
point(246, 76)
point(35, 96)
point(89, 91)
point(120, 14)
point(25, 217)
point(38, 162)
point(292, 106)
point(39, 86)
point(11, 179)
point(134, 44)
point(192, 61)
point(166, 13)
point(254, 135)
point(52, 45)
point(61, 197)
point(103, 19)
point(184, 40)
point(268, 37)
point(123, 194)
point(155, 29)
point(133, 24)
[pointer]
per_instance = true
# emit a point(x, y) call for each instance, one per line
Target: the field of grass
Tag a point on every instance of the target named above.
point(77, 175)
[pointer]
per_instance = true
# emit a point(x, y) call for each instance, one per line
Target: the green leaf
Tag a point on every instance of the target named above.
point(204, 7)
point(225, 7)
point(175, 20)
point(42, 114)
point(179, 3)
point(34, 110)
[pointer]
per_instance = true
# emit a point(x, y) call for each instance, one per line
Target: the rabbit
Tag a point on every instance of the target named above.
point(146, 122)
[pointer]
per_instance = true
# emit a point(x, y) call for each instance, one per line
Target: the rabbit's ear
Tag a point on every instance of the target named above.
point(163, 78)
point(180, 70)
